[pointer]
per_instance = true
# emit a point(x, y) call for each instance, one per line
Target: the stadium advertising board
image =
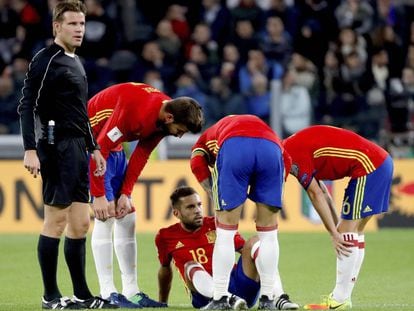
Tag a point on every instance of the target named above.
point(21, 201)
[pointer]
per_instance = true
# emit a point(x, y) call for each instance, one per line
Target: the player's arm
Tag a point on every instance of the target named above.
point(330, 202)
point(200, 169)
point(137, 162)
point(165, 275)
point(319, 202)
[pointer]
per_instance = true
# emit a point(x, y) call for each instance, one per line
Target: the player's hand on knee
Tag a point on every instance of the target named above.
point(342, 247)
point(123, 206)
point(100, 207)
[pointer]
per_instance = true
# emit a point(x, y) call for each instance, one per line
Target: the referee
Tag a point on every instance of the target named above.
point(56, 136)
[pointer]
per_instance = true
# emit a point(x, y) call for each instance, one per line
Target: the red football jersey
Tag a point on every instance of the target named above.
point(121, 113)
point(178, 245)
point(209, 143)
point(330, 153)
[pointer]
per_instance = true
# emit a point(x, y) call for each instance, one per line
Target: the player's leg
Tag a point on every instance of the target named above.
point(230, 183)
point(125, 245)
point(266, 190)
point(364, 197)
point(198, 279)
point(248, 258)
point(224, 251)
point(101, 242)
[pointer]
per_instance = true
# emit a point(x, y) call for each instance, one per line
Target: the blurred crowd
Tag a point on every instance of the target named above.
point(348, 63)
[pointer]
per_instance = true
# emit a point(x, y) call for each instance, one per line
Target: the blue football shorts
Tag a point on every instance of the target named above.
point(240, 285)
point(370, 194)
point(116, 166)
point(248, 168)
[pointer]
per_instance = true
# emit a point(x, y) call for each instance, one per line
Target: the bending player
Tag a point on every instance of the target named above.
point(329, 153)
point(190, 242)
point(122, 113)
point(248, 161)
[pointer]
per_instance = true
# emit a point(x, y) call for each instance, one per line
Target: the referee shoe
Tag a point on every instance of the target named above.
point(61, 303)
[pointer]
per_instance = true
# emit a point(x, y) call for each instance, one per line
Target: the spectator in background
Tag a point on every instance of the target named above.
point(19, 67)
point(222, 101)
point(248, 10)
point(258, 99)
point(31, 26)
point(305, 74)
point(244, 38)
point(257, 64)
point(350, 41)
point(288, 15)
point(391, 13)
point(355, 14)
point(384, 37)
point(98, 46)
point(230, 66)
point(9, 120)
point(199, 67)
point(408, 82)
point(372, 118)
point(153, 78)
point(331, 70)
point(217, 17)
point(153, 58)
point(350, 87)
point(202, 36)
point(295, 105)
point(9, 25)
point(176, 14)
point(186, 86)
point(398, 100)
point(168, 40)
point(275, 42)
point(316, 24)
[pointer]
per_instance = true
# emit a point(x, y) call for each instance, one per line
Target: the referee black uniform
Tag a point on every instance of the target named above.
point(56, 89)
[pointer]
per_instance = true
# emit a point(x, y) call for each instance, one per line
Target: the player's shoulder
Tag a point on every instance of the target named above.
point(168, 232)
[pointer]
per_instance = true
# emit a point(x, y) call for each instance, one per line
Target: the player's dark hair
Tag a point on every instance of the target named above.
point(186, 111)
point(67, 6)
point(179, 193)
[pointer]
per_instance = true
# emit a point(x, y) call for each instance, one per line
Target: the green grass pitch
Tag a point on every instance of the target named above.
point(307, 267)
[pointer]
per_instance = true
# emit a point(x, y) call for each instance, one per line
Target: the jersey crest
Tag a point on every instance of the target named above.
point(211, 236)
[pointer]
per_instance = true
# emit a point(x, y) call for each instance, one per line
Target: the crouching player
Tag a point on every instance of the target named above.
point(190, 242)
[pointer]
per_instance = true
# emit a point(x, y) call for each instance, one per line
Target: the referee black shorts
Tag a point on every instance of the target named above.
point(64, 170)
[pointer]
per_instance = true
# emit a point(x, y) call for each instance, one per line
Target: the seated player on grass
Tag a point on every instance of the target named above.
point(190, 242)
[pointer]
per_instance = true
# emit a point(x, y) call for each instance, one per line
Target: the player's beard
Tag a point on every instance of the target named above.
point(192, 226)
point(163, 128)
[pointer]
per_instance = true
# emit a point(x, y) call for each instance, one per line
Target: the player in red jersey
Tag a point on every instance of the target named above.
point(247, 160)
point(329, 153)
point(122, 113)
point(189, 244)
